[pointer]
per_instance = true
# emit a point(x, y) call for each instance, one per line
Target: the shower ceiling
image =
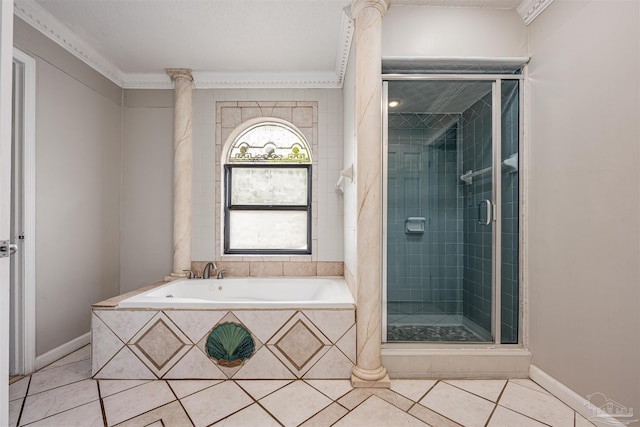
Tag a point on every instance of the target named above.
point(436, 96)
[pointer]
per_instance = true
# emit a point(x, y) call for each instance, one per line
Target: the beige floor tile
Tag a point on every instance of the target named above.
point(327, 416)
point(135, 401)
point(539, 406)
point(430, 417)
point(14, 411)
point(489, 389)
point(183, 388)
point(60, 399)
point(354, 397)
point(295, 403)
point(392, 397)
point(260, 388)
point(376, 412)
point(529, 384)
point(83, 353)
point(59, 376)
point(582, 421)
point(503, 417)
point(412, 389)
point(18, 389)
point(252, 415)
point(458, 405)
point(109, 387)
point(89, 415)
point(334, 389)
point(171, 414)
point(215, 403)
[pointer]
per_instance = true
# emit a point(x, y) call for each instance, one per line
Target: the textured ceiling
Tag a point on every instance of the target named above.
point(230, 43)
point(143, 36)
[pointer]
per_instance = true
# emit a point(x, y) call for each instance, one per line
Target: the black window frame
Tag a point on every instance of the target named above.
point(229, 206)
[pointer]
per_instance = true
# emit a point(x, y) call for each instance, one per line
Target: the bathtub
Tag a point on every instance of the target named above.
point(246, 293)
point(234, 328)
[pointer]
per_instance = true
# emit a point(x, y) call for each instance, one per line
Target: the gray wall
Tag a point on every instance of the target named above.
point(147, 187)
point(584, 214)
point(452, 32)
point(78, 130)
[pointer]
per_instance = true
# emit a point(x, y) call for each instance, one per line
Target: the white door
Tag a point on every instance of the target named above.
point(6, 59)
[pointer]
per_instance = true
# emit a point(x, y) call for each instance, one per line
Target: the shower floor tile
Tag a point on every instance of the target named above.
point(457, 333)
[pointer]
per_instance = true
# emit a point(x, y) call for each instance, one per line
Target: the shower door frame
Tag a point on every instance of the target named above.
point(496, 213)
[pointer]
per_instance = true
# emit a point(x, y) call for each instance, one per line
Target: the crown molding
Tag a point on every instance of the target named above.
point(147, 81)
point(47, 24)
point(530, 9)
point(344, 45)
point(218, 80)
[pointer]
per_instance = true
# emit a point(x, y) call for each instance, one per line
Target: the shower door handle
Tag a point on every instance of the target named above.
point(488, 209)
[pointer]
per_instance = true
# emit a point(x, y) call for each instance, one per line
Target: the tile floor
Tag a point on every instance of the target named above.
point(63, 394)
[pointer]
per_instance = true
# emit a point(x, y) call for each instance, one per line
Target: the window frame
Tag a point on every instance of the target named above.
point(229, 206)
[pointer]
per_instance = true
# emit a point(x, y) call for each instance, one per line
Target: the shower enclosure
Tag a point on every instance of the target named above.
point(451, 208)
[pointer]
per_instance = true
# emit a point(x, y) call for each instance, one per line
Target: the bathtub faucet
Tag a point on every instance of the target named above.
point(206, 272)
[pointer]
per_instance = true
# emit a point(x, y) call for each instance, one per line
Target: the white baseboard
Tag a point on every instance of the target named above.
point(61, 351)
point(572, 399)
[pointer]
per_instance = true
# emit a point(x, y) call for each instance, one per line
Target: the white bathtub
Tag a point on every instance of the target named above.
point(246, 293)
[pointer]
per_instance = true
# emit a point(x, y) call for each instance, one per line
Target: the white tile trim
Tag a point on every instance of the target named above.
point(571, 398)
point(63, 350)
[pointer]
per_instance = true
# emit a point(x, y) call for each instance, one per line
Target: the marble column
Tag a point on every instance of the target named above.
point(368, 14)
point(181, 171)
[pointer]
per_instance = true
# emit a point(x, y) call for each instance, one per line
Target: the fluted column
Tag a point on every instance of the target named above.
point(181, 171)
point(368, 14)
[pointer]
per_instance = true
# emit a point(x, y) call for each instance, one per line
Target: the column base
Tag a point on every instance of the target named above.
point(174, 276)
point(363, 378)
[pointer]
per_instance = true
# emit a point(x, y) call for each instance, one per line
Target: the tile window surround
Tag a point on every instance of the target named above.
point(304, 116)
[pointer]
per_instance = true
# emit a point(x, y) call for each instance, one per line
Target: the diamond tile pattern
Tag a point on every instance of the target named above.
point(72, 399)
point(299, 344)
point(144, 344)
point(159, 344)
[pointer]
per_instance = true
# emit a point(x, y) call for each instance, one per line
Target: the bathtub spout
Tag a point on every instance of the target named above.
point(220, 275)
point(206, 272)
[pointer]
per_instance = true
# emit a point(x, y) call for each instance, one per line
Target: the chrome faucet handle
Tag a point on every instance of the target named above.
point(219, 275)
point(190, 276)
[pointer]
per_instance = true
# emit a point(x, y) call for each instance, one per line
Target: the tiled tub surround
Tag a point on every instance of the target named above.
point(289, 343)
point(273, 266)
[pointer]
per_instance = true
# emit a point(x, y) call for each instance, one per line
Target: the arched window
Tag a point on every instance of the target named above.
point(267, 182)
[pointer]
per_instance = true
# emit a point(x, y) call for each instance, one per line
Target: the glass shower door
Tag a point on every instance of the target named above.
point(440, 211)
